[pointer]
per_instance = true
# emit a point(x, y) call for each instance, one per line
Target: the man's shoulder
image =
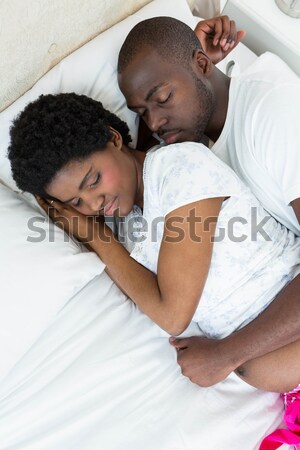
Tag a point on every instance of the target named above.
point(269, 71)
point(263, 87)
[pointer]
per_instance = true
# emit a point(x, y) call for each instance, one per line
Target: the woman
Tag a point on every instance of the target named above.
point(208, 251)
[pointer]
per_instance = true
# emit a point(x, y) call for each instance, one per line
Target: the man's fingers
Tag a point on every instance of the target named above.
point(210, 27)
point(232, 36)
point(240, 35)
point(225, 30)
point(221, 29)
point(203, 27)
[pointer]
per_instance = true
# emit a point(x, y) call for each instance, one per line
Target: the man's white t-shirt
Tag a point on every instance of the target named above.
point(260, 140)
point(253, 257)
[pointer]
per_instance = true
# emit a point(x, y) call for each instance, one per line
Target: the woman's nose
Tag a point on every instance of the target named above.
point(95, 203)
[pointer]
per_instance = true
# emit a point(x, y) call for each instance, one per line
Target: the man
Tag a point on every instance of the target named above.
point(173, 85)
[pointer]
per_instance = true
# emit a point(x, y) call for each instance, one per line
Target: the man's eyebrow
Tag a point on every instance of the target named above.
point(82, 184)
point(148, 96)
point(152, 91)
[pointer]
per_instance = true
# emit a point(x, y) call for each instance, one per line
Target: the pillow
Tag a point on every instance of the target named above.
point(41, 269)
point(90, 70)
point(51, 30)
point(39, 276)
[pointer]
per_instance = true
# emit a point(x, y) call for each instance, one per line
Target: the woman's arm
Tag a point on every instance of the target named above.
point(170, 298)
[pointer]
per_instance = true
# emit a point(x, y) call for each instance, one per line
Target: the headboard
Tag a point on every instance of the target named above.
point(36, 34)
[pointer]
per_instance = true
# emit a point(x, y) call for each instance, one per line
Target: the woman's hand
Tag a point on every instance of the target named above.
point(218, 36)
point(84, 228)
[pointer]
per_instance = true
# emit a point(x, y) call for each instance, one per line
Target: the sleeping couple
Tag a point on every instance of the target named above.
point(218, 257)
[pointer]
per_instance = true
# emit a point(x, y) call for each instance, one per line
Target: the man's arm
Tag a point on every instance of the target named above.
point(296, 207)
point(207, 361)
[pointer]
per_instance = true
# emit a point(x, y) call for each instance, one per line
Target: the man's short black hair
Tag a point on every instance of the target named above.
point(54, 130)
point(175, 41)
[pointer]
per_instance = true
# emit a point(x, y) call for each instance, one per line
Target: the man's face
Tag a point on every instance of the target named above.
point(174, 101)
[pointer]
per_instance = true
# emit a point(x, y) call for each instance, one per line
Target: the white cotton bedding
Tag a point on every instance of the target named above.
point(103, 376)
point(89, 371)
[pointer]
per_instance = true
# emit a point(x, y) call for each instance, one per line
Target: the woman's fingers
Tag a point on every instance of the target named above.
point(69, 219)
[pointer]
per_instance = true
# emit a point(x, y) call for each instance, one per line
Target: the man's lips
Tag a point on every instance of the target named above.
point(110, 207)
point(170, 136)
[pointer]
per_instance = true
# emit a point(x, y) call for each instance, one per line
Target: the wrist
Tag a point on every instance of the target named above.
point(231, 349)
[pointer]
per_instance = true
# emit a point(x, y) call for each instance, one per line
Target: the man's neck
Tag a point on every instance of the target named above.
point(220, 83)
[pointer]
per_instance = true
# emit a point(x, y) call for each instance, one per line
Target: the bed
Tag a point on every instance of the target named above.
point(80, 366)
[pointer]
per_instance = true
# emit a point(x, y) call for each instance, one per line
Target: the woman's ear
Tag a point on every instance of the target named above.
point(202, 63)
point(116, 139)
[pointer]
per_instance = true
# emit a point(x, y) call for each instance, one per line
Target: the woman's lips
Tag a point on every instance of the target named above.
point(110, 208)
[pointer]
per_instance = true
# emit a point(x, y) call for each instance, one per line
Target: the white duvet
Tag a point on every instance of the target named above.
point(103, 376)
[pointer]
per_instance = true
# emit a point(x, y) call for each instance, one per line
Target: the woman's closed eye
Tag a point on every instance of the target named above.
point(96, 181)
point(77, 202)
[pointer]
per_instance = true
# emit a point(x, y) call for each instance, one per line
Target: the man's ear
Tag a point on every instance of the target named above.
point(202, 63)
point(116, 139)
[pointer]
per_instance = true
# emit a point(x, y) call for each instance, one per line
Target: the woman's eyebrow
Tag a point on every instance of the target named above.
point(85, 178)
point(82, 184)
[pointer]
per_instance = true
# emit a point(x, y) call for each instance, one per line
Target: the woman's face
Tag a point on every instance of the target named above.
point(108, 182)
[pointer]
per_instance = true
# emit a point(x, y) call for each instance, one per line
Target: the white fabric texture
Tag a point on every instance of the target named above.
point(103, 376)
point(90, 70)
point(41, 269)
point(261, 135)
point(93, 372)
point(38, 278)
point(36, 35)
point(248, 268)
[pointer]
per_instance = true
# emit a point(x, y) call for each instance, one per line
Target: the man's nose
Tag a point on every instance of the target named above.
point(156, 120)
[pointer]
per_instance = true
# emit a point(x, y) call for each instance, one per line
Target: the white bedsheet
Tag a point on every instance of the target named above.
point(103, 376)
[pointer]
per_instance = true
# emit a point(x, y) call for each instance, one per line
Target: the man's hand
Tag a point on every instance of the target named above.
point(202, 360)
point(218, 36)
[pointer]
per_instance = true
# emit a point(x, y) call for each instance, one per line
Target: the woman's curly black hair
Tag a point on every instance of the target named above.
point(54, 130)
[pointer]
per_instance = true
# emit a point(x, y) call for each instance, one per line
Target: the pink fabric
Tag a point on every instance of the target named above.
point(291, 435)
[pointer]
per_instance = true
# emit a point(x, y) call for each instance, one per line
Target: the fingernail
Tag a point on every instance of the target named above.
point(216, 41)
point(226, 47)
point(232, 43)
point(172, 339)
point(223, 41)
